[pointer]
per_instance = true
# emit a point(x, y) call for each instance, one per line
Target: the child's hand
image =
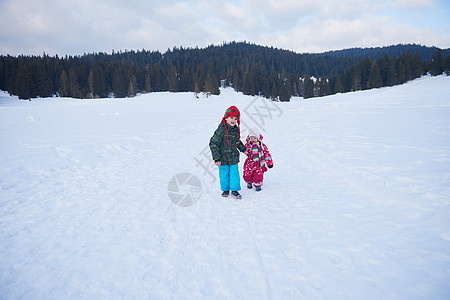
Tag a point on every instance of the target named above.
point(218, 163)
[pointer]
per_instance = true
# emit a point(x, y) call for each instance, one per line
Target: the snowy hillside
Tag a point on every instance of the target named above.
point(357, 205)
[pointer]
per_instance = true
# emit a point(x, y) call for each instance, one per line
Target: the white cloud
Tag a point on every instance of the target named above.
point(414, 4)
point(369, 31)
point(79, 26)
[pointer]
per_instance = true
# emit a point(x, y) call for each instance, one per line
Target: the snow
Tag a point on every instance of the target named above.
point(357, 205)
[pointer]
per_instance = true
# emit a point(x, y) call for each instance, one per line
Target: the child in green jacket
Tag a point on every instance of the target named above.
point(224, 145)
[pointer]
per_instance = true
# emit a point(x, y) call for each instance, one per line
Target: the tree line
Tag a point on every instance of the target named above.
point(251, 69)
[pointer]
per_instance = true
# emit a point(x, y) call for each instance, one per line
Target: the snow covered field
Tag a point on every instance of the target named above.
point(357, 205)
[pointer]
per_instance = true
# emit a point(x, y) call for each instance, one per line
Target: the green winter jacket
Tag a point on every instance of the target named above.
point(227, 155)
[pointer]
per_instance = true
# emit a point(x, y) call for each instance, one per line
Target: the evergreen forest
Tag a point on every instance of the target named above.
point(251, 69)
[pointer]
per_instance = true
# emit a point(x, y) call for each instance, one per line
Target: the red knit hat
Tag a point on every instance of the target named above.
point(232, 111)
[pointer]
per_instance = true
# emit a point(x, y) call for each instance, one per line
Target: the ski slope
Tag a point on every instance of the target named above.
point(357, 205)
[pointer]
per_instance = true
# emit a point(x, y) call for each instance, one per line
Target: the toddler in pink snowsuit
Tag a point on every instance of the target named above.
point(257, 162)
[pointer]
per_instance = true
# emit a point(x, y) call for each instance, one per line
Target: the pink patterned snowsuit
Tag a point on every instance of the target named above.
point(258, 159)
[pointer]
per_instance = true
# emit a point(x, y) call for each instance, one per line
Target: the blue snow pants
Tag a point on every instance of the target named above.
point(229, 178)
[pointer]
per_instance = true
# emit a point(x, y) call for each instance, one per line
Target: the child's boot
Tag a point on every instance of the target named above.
point(236, 195)
point(249, 185)
point(258, 188)
point(225, 194)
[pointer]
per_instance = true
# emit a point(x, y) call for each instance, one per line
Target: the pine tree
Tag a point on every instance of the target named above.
point(437, 66)
point(274, 83)
point(132, 86)
point(172, 79)
point(156, 78)
point(100, 87)
point(265, 88)
point(338, 86)
point(74, 87)
point(284, 93)
point(317, 88)
point(417, 68)
point(23, 80)
point(64, 84)
point(91, 83)
point(365, 67)
point(196, 89)
point(348, 79)
point(294, 91)
point(401, 72)
point(391, 79)
point(383, 65)
point(447, 65)
point(309, 88)
point(301, 91)
point(237, 80)
point(324, 87)
point(250, 83)
point(215, 85)
point(211, 86)
point(119, 85)
point(356, 79)
point(148, 86)
point(186, 83)
point(407, 61)
point(274, 92)
point(43, 84)
point(2, 74)
point(374, 77)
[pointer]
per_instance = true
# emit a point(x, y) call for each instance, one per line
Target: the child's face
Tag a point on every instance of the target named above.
point(231, 121)
point(253, 139)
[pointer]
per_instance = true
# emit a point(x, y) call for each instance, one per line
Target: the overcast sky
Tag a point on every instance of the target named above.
point(74, 27)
